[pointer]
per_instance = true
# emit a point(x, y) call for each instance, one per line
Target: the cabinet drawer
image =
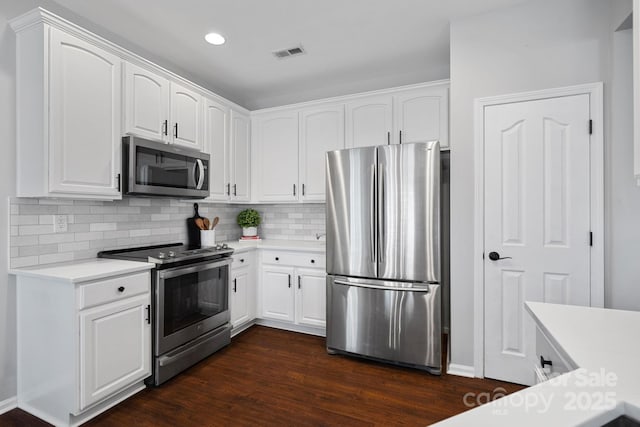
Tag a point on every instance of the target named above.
point(244, 259)
point(295, 259)
point(115, 289)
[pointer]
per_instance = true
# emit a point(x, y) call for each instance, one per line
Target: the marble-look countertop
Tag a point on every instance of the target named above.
point(285, 245)
point(83, 271)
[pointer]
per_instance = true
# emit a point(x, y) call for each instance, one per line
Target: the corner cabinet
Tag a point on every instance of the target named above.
point(293, 290)
point(83, 346)
point(369, 121)
point(68, 109)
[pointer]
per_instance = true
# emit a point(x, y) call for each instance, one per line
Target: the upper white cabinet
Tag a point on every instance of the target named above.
point(186, 115)
point(146, 103)
point(291, 149)
point(276, 138)
point(240, 157)
point(369, 121)
point(216, 133)
point(68, 110)
point(321, 130)
point(161, 110)
point(422, 115)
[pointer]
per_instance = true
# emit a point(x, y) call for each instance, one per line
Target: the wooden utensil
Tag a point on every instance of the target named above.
point(215, 222)
point(200, 223)
point(207, 224)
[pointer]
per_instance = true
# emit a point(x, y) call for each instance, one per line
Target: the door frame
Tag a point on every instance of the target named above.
point(596, 167)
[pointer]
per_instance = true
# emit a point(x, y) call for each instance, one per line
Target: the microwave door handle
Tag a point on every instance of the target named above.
point(200, 166)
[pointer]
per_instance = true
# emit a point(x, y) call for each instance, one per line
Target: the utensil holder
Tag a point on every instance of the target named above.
point(207, 238)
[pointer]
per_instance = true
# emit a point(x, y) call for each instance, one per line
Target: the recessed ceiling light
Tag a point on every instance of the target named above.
point(215, 39)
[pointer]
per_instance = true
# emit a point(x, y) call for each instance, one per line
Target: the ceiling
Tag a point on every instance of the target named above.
point(352, 45)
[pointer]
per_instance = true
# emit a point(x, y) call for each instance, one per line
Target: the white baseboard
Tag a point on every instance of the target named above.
point(461, 370)
point(8, 404)
point(291, 327)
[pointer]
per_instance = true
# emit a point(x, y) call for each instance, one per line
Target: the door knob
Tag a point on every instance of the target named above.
point(495, 256)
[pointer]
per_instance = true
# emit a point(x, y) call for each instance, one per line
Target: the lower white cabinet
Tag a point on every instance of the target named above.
point(293, 293)
point(242, 289)
point(82, 346)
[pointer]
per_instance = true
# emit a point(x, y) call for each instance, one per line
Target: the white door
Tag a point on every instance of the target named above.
point(146, 104)
point(216, 132)
point(239, 301)
point(537, 217)
point(369, 121)
point(422, 115)
point(311, 297)
point(185, 117)
point(115, 347)
point(85, 85)
point(240, 157)
point(278, 157)
point(321, 130)
point(278, 293)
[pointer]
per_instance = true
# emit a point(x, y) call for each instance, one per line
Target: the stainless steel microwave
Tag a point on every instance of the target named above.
point(155, 169)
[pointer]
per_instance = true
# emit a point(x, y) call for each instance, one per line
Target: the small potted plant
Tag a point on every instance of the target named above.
point(249, 220)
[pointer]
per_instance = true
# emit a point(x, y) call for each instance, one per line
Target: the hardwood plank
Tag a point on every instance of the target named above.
point(271, 377)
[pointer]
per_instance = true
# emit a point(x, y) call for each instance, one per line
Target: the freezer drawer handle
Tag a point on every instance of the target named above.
point(384, 288)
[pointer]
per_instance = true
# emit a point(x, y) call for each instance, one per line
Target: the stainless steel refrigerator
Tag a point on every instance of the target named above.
point(383, 254)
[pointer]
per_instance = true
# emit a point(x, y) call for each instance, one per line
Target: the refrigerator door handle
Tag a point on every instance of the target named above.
point(413, 288)
point(372, 231)
point(381, 215)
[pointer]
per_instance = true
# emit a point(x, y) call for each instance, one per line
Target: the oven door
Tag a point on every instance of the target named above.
point(190, 301)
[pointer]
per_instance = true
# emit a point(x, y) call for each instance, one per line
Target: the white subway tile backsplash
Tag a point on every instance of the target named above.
point(99, 225)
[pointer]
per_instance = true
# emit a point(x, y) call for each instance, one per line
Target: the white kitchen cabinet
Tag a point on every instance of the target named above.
point(186, 113)
point(278, 301)
point(85, 342)
point(216, 133)
point(114, 347)
point(293, 288)
point(240, 184)
point(68, 109)
point(321, 130)
point(146, 103)
point(311, 297)
point(422, 115)
point(276, 137)
point(242, 289)
point(369, 121)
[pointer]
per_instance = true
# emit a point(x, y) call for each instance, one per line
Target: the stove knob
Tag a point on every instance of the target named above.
point(225, 246)
point(162, 255)
point(172, 254)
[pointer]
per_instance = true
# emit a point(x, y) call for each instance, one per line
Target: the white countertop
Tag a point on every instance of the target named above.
point(289, 245)
point(83, 271)
point(604, 344)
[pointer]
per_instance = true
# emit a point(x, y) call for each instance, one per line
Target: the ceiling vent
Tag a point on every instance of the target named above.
point(286, 53)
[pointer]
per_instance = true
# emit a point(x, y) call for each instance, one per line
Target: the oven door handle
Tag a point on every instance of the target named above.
point(180, 271)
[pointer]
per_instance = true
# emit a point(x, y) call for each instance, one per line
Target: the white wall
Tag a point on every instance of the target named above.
point(538, 45)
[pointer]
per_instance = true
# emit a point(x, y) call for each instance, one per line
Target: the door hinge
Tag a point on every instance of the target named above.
point(590, 127)
point(591, 238)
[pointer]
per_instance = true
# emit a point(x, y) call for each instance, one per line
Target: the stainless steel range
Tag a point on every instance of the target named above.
point(190, 303)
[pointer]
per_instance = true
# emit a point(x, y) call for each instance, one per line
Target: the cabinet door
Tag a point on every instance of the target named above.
point(84, 118)
point(216, 132)
point(115, 347)
point(422, 115)
point(369, 121)
point(277, 142)
point(240, 303)
point(278, 293)
point(321, 130)
point(311, 297)
point(146, 103)
point(186, 115)
point(240, 157)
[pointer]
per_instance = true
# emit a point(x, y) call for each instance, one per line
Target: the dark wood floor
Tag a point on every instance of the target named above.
point(273, 377)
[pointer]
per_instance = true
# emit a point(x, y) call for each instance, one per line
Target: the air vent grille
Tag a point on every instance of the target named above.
point(286, 53)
